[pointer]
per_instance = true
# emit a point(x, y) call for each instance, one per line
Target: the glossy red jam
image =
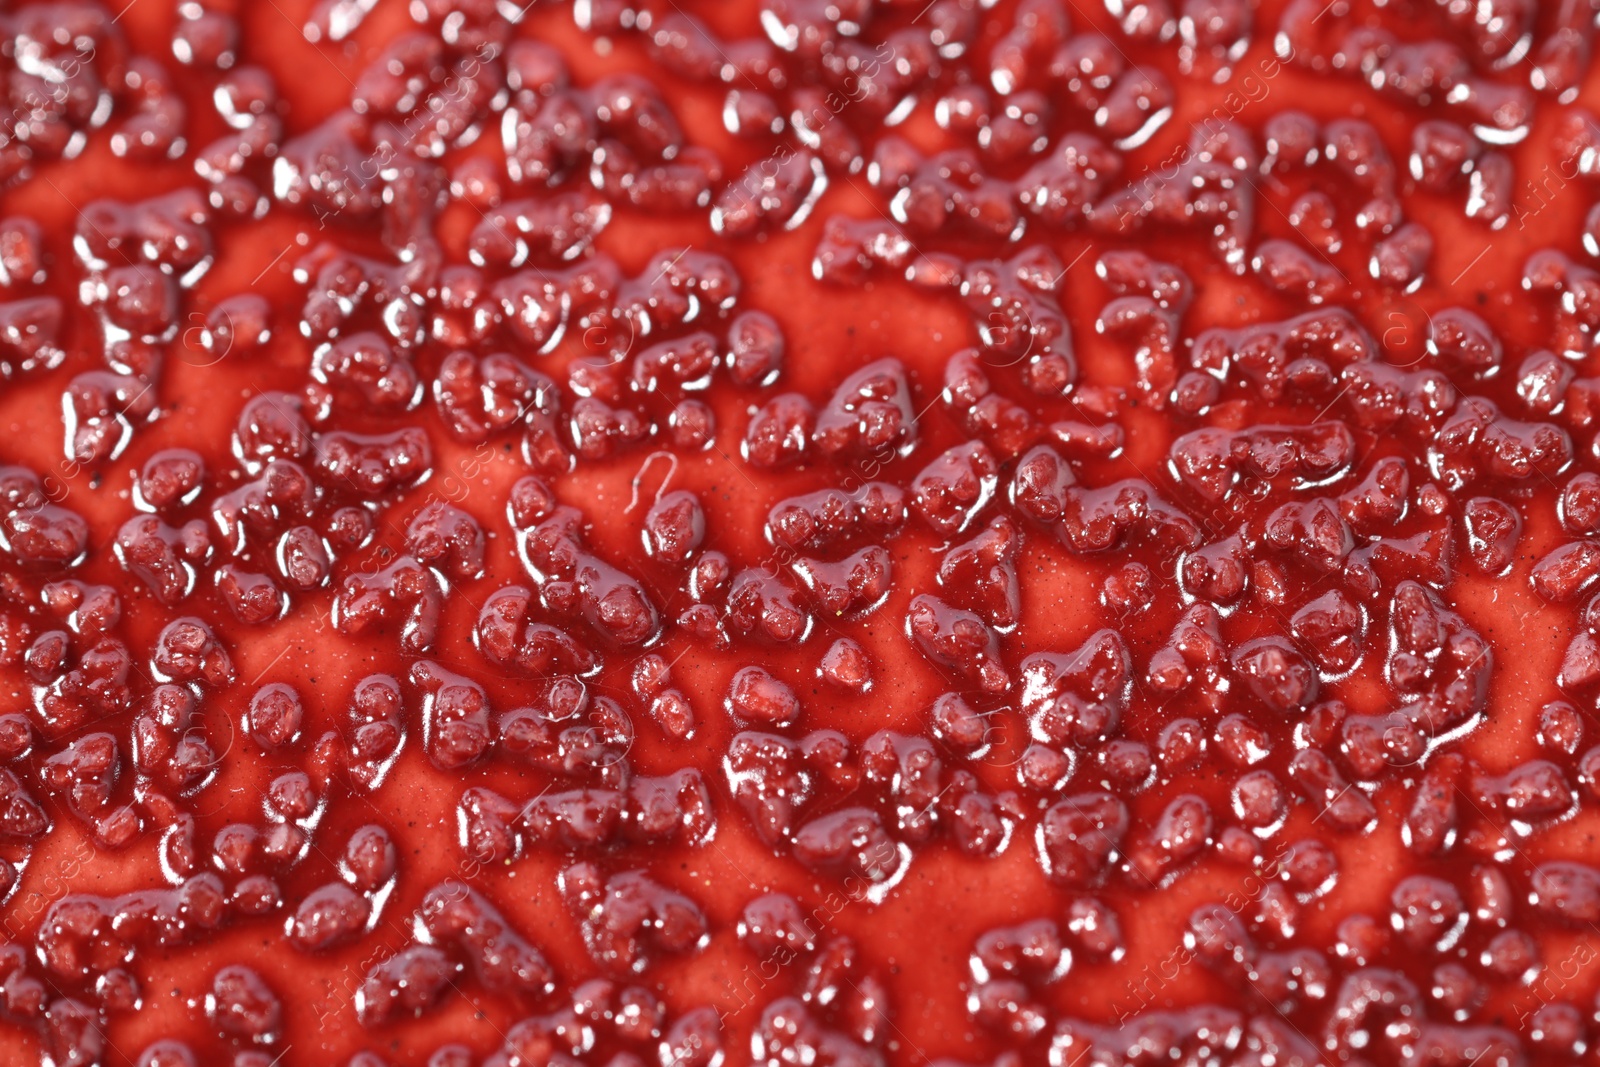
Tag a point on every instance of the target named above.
point(805, 533)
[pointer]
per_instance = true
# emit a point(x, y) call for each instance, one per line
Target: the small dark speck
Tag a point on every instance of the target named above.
point(95, 479)
point(1483, 298)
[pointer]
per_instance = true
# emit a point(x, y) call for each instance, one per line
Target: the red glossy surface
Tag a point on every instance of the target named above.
point(799, 533)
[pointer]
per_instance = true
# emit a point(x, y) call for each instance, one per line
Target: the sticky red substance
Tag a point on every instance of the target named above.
point(799, 533)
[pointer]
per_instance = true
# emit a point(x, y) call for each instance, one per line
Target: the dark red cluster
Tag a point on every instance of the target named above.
point(813, 533)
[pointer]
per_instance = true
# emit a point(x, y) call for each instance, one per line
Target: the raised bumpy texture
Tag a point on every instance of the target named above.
point(799, 533)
